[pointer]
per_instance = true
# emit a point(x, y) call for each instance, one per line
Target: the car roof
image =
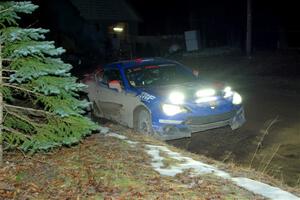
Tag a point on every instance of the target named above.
point(139, 62)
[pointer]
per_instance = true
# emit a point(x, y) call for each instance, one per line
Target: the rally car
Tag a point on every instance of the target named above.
point(162, 98)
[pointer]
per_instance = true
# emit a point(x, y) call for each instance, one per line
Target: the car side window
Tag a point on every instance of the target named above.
point(110, 75)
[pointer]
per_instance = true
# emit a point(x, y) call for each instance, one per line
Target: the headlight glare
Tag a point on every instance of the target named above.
point(227, 92)
point(171, 110)
point(206, 93)
point(227, 89)
point(176, 98)
point(237, 98)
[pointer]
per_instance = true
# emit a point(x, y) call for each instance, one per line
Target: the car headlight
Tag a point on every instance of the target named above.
point(237, 98)
point(228, 92)
point(171, 110)
point(176, 98)
point(205, 93)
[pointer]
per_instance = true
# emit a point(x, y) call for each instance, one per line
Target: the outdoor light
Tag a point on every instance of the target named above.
point(228, 92)
point(171, 110)
point(205, 93)
point(176, 98)
point(236, 99)
point(118, 29)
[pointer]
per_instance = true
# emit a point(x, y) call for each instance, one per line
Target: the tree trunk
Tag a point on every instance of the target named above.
point(249, 28)
point(1, 110)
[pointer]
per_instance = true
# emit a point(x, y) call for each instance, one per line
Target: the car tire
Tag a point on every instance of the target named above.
point(144, 122)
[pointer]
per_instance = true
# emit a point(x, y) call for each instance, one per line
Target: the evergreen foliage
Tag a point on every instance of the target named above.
point(41, 109)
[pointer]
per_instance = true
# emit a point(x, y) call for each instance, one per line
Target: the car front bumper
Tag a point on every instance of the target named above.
point(175, 129)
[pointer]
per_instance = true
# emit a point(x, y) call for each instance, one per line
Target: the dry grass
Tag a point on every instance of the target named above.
point(260, 142)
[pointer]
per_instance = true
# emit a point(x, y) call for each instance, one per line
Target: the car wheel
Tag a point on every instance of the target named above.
point(144, 123)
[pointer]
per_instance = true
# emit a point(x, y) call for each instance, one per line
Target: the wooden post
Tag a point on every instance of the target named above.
point(249, 29)
point(1, 110)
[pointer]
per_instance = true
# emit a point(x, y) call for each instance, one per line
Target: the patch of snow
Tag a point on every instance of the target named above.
point(170, 171)
point(264, 189)
point(106, 131)
point(103, 130)
point(156, 158)
point(202, 168)
point(188, 163)
point(131, 143)
point(121, 137)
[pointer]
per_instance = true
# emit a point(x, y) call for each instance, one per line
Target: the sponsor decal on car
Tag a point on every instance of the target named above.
point(144, 96)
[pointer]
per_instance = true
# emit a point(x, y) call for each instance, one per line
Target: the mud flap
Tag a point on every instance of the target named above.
point(238, 120)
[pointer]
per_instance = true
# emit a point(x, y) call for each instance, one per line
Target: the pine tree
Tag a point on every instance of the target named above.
point(39, 105)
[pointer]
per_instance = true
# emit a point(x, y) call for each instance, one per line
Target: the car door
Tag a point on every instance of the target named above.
point(107, 100)
point(117, 105)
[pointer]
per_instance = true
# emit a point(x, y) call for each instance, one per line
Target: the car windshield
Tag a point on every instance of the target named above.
point(154, 75)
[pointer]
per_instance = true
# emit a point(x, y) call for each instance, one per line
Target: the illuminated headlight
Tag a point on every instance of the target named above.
point(206, 93)
point(176, 98)
point(237, 99)
point(228, 92)
point(171, 110)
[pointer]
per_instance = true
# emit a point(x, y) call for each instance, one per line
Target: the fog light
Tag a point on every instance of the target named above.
point(171, 110)
point(176, 98)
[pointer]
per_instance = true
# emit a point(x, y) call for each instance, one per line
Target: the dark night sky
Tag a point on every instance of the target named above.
point(165, 16)
point(216, 17)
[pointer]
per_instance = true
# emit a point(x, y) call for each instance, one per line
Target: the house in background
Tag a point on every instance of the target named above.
point(116, 18)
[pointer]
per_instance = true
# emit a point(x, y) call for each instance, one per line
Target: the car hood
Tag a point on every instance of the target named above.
point(188, 89)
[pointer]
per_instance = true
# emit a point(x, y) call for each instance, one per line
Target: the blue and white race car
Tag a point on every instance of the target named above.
point(162, 98)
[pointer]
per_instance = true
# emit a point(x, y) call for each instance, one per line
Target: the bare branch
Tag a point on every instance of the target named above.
point(5, 10)
point(20, 117)
point(7, 59)
point(20, 88)
point(15, 132)
point(27, 109)
point(9, 70)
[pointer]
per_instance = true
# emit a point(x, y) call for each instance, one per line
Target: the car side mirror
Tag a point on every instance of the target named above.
point(115, 84)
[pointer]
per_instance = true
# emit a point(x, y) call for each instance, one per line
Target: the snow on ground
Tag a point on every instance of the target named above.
point(202, 168)
point(121, 137)
point(263, 189)
point(199, 168)
point(187, 163)
point(106, 131)
point(103, 130)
